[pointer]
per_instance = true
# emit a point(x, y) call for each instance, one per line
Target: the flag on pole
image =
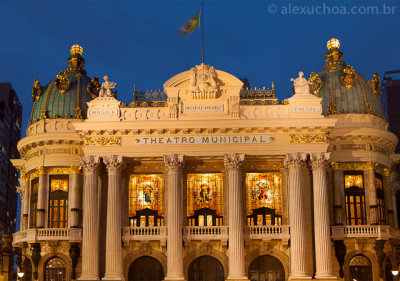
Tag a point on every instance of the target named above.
point(191, 24)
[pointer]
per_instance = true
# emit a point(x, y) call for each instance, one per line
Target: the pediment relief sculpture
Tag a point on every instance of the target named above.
point(204, 83)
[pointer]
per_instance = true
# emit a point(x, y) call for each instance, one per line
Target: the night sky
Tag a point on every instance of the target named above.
point(138, 42)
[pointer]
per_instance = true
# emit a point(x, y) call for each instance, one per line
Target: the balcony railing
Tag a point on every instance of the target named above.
point(137, 233)
point(365, 231)
point(205, 233)
point(267, 232)
point(46, 234)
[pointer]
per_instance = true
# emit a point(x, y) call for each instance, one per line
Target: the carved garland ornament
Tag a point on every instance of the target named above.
point(62, 82)
point(102, 141)
point(307, 138)
point(349, 77)
point(315, 83)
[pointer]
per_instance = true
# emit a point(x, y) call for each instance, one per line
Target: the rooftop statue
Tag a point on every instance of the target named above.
point(106, 88)
point(301, 85)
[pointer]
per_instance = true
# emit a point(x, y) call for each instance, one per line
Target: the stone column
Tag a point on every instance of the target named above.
point(298, 264)
point(322, 233)
point(338, 195)
point(370, 190)
point(114, 263)
point(173, 165)
point(26, 205)
point(233, 166)
point(42, 198)
point(73, 198)
point(90, 241)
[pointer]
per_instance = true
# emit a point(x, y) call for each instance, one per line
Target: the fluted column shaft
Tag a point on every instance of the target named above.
point(298, 265)
point(233, 165)
point(90, 241)
point(42, 198)
point(370, 189)
point(114, 263)
point(25, 205)
point(323, 250)
point(173, 165)
point(73, 199)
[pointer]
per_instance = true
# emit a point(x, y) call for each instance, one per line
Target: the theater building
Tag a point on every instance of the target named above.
point(208, 180)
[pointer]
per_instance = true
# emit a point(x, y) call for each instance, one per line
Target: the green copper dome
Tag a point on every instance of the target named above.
point(66, 95)
point(343, 89)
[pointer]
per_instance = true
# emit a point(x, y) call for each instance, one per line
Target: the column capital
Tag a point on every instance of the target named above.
point(41, 170)
point(90, 163)
point(234, 160)
point(174, 161)
point(319, 160)
point(114, 163)
point(296, 158)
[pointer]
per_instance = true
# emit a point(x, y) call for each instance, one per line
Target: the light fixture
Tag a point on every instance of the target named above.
point(395, 272)
point(20, 274)
point(333, 44)
point(76, 50)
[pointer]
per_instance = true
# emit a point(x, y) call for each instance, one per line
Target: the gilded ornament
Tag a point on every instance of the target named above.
point(78, 113)
point(36, 90)
point(102, 141)
point(307, 138)
point(349, 77)
point(376, 84)
point(94, 87)
point(315, 83)
point(43, 114)
point(360, 166)
point(62, 82)
point(332, 108)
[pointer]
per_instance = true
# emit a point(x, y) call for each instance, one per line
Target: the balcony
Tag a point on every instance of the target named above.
point(47, 234)
point(365, 231)
point(137, 233)
point(205, 233)
point(267, 232)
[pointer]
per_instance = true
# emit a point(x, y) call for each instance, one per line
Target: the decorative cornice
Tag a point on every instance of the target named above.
point(307, 138)
point(174, 161)
point(360, 166)
point(234, 160)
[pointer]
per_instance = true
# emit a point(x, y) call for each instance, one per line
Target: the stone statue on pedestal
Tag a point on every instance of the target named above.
point(301, 85)
point(106, 87)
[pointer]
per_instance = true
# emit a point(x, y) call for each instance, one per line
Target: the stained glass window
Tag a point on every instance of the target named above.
point(55, 270)
point(380, 199)
point(205, 191)
point(58, 203)
point(34, 197)
point(355, 198)
point(263, 198)
point(146, 191)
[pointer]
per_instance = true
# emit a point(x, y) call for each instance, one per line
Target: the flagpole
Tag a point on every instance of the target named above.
point(202, 33)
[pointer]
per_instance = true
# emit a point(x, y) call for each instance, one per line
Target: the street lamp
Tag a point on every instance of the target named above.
point(20, 275)
point(395, 272)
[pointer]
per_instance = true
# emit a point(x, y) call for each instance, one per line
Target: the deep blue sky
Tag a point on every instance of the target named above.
point(138, 42)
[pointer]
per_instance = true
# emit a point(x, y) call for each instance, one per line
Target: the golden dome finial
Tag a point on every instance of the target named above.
point(333, 44)
point(76, 50)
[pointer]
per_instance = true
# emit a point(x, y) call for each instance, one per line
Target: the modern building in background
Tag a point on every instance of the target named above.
point(208, 179)
point(10, 134)
point(391, 101)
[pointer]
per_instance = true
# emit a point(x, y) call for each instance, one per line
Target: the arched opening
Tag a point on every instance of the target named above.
point(55, 270)
point(206, 268)
point(266, 268)
point(146, 269)
point(27, 270)
point(360, 268)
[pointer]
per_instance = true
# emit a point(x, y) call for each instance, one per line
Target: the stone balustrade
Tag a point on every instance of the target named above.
point(266, 232)
point(205, 233)
point(137, 233)
point(365, 231)
point(47, 234)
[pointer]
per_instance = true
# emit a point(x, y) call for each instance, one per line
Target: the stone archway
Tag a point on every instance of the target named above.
point(360, 268)
point(55, 269)
point(206, 268)
point(146, 268)
point(266, 268)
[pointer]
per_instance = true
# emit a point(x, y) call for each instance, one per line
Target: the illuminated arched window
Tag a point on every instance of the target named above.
point(58, 202)
point(360, 268)
point(355, 198)
point(33, 202)
point(263, 198)
point(146, 200)
point(55, 270)
point(205, 199)
point(380, 199)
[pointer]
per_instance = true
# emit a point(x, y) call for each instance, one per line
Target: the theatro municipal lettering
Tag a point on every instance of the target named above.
point(205, 139)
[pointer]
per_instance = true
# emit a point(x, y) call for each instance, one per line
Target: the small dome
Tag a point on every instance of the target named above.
point(66, 95)
point(343, 89)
